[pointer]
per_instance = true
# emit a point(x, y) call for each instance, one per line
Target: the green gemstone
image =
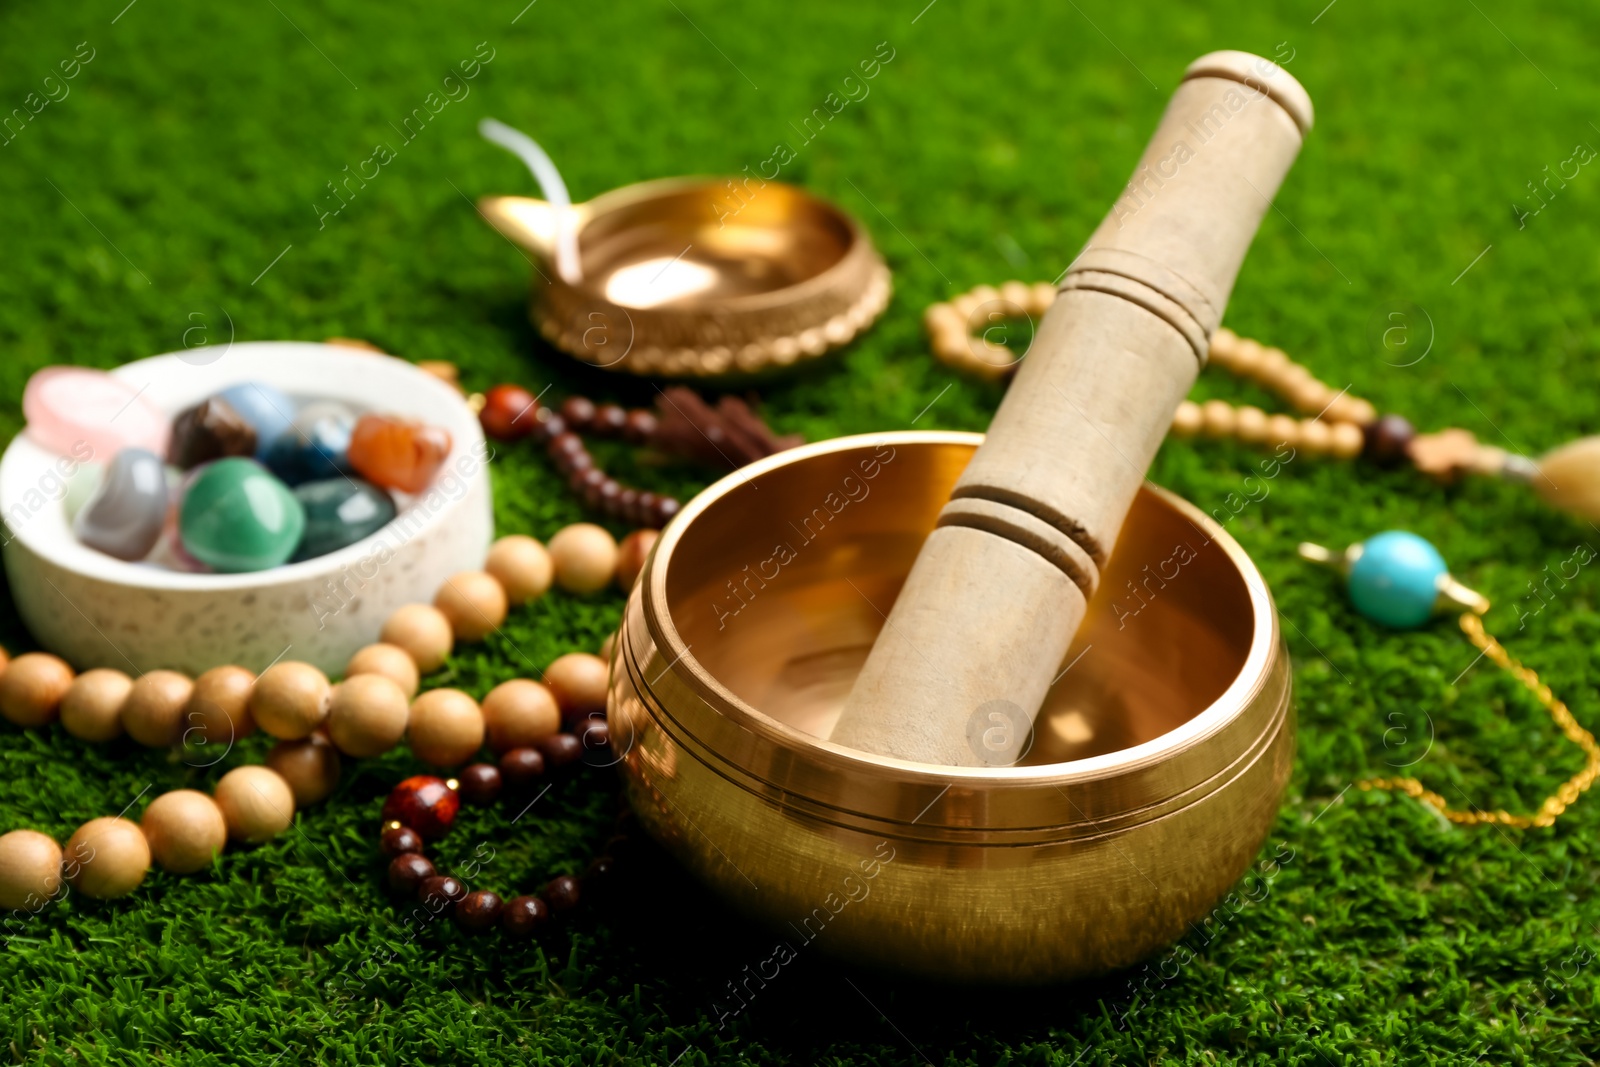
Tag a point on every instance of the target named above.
point(237, 517)
point(340, 512)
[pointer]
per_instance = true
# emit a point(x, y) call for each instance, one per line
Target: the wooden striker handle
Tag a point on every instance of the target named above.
point(980, 629)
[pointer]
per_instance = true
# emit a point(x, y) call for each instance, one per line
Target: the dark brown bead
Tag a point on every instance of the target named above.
point(440, 891)
point(666, 507)
point(627, 503)
point(585, 481)
point(508, 412)
point(646, 512)
point(521, 768)
point(578, 411)
point(398, 840)
point(640, 427)
point(1386, 439)
point(609, 419)
point(480, 783)
point(523, 916)
point(549, 427)
point(605, 496)
point(478, 911)
point(600, 871)
point(407, 871)
point(560, 750)
point(561, 894)
point(595, 736)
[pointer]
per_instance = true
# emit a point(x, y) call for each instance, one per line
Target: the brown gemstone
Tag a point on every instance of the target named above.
point(440, 891)
point(523, 916)
point(609, 419)
point(521, 768)
point(578, 412)
point(407, 871)
point(508, 412)
point(640, 427)
point(1387, 438)
point(480, 783)
point(559, 750)
point(478, 911)
point(561, 894)
point(210, 430)
point(398, 840)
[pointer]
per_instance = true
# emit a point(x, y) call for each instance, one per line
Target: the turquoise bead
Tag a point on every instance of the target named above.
point(1396, 579)
point(340, 512)
point(237, 517)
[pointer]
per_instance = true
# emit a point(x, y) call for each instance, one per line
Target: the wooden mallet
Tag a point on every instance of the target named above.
point(983, 623)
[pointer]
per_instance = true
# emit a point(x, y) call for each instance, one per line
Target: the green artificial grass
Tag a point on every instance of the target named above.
point(193, 151)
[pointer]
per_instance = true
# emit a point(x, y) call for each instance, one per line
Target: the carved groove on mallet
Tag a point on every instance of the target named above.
point(1029, 531)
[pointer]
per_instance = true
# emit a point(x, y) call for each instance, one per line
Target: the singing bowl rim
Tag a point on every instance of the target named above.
point(1236, 701)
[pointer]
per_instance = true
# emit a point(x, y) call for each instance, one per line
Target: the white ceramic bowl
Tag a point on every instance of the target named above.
point(97, 611)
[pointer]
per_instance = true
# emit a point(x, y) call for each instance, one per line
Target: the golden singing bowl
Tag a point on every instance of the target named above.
point(699, 277)
point(1156, 771)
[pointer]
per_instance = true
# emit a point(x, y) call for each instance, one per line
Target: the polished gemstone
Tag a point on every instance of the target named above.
point(1395, 580)
point(212, 429)
point(90, 414)
point(237, 517)
point(397, 453)
point(316, 446)
point(125, 515)
point(340, 512)
point(263, 406)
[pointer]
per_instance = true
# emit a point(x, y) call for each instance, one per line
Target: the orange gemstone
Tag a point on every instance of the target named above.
point(397, 453)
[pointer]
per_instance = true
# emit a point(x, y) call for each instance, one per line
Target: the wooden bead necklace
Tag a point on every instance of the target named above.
point(728, 435)
point(1337, 425)
point(316, 722)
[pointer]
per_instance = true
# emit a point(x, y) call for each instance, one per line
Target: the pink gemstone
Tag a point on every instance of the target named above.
point(89, 414)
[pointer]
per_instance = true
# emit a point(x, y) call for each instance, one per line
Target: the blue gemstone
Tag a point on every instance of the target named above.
point(263, 406)
point(1396, 580)
point(316, 447)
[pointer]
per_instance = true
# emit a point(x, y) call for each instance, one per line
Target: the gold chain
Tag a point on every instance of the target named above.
point(1553, 805)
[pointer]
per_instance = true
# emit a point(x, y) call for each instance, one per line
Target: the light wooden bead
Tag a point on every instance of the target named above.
point(1224, 346)
point(219, 708)
point(32, 686)
point(423, 631)
point(1042, 295)
point(522, 567)
point(1186, 420)
point(474, 603)
point(5, 658)
point(1310, 397)
point(585, 558)
point(939, 317)
point(92, 708)
point(153, 712)
point(983, 294)
point(1347, 440)
point(1250, 425)
point(310, 766)
point(1016, 295)
point(446, 727)
point(389, 661)
point(1316, 437)
point(1361, 412)
point(1248, 357)
point(107, 858)
point(579, 682)
point(1217, 419)
point(631, 554)
point(1275, 364)
point(185, 830)
point(30, 870)
point(953, 346)
point(1283, 430)
point(367, 713)
point(964, 306)
point(518, 713)
point(257, 804)
point(290, 700)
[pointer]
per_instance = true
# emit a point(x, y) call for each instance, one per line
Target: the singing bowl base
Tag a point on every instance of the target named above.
point(1155, 771)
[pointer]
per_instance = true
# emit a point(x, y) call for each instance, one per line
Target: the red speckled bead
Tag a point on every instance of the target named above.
point(398, 840)
point(398, 453)
point(408, 871)
point(508, 412)
point(480, 783)
point(424, 803)
point(561, 894)
point(522, 916)
point(440, 892)
point(478, 911)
